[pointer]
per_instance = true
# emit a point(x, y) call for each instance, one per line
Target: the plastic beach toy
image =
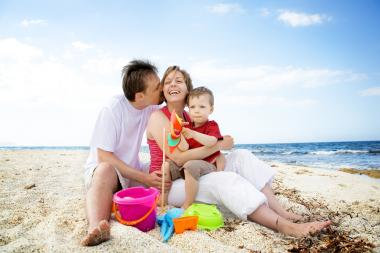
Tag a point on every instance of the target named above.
point(209, 217)
point(174, 137)
point(136, 206)
point(185, 223)
point(166, 222)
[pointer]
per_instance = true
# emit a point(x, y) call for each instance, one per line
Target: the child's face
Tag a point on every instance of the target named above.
point(200, 109)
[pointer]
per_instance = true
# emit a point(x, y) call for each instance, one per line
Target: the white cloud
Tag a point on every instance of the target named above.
point(268, 78)
point(12, 49)
point(295, 19)
point(47, 100)
point(256, 101)
point(225, 8)
point(29, 22)
point(264, 12)
point(81, 46)
point(375, 91)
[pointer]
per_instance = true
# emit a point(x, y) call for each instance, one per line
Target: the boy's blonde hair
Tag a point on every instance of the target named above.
point(201, 91)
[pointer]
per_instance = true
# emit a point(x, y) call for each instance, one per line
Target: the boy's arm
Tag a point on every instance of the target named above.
point(204, 139)
point(202, 152)
point(158, 121)
point(220, 162)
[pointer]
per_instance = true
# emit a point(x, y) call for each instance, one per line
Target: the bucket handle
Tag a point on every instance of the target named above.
point(134, 222)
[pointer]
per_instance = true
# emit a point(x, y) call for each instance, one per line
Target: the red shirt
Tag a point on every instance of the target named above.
point(209, 128)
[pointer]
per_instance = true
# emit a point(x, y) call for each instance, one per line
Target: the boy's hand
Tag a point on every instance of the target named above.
point(226, 143)
point(188, 133)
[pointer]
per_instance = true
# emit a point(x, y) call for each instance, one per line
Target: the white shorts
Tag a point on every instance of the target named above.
point(124, 182)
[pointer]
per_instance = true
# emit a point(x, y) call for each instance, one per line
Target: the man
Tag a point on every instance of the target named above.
point(113, 162)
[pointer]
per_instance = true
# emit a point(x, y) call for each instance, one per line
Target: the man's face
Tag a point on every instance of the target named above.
point(153, 91)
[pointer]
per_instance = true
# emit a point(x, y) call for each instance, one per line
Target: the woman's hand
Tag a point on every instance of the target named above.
point(226, 143)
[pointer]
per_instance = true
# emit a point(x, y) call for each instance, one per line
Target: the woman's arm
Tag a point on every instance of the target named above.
point(220, 162)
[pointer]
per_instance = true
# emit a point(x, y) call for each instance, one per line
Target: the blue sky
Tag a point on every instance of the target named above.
point(281, 71)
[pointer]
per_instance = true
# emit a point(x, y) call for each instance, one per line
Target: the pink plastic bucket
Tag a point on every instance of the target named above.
point(136, 206)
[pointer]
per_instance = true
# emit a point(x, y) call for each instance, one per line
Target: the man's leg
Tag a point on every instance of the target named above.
point(98, 204)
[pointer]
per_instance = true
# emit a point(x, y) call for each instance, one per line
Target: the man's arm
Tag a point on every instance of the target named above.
point(153, 179)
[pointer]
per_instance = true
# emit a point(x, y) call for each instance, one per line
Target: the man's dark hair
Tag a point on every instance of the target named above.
point(134, 76)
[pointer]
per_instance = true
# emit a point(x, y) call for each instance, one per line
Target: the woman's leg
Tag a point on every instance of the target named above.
point(275, 205)
point(260, 174)
point(244, 163)
point(267, 217)
point(227, 189)
point(243, 199)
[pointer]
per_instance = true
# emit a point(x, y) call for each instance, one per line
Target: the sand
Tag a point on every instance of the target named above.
point(42, 210)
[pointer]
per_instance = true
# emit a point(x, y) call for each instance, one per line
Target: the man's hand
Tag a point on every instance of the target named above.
point(226, 143)
point(154, 180)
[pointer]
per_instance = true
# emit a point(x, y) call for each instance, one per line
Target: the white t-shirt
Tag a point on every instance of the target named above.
point(119, 129)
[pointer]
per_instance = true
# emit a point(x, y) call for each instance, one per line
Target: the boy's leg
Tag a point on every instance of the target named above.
point(192, 171)
point(98, 204)
point(191, 189)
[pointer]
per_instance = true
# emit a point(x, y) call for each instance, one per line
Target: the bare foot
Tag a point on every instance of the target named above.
point(98, 235)
point(292, 216)
point(300, 230)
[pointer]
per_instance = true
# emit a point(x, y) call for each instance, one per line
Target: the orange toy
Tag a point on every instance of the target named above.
point(175, 125)
point(185, 223)
point(174, 137)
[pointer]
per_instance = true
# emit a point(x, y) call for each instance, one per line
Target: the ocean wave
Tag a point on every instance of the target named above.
point(338, 152)
point(293, 153)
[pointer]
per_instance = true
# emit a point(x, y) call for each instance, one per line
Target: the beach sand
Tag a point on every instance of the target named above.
point(42, 210)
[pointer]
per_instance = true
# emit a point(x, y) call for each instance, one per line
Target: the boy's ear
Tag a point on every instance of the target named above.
point(212, 109)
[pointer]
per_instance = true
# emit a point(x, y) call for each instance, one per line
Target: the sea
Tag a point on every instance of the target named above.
point(329, 155)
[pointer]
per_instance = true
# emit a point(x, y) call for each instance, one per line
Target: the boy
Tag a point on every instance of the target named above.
point(202, 132)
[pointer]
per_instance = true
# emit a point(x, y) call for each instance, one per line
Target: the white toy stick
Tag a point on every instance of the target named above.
point(163, 168)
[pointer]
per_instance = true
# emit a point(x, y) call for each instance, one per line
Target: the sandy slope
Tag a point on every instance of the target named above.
point(49, 216)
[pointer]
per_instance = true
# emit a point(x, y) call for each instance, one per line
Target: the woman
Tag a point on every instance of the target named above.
point(243, 187)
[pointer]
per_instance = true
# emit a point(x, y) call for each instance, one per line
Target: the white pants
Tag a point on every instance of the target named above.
point(237, 188)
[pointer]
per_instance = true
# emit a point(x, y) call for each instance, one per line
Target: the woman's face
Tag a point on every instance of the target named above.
point(175, 88)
